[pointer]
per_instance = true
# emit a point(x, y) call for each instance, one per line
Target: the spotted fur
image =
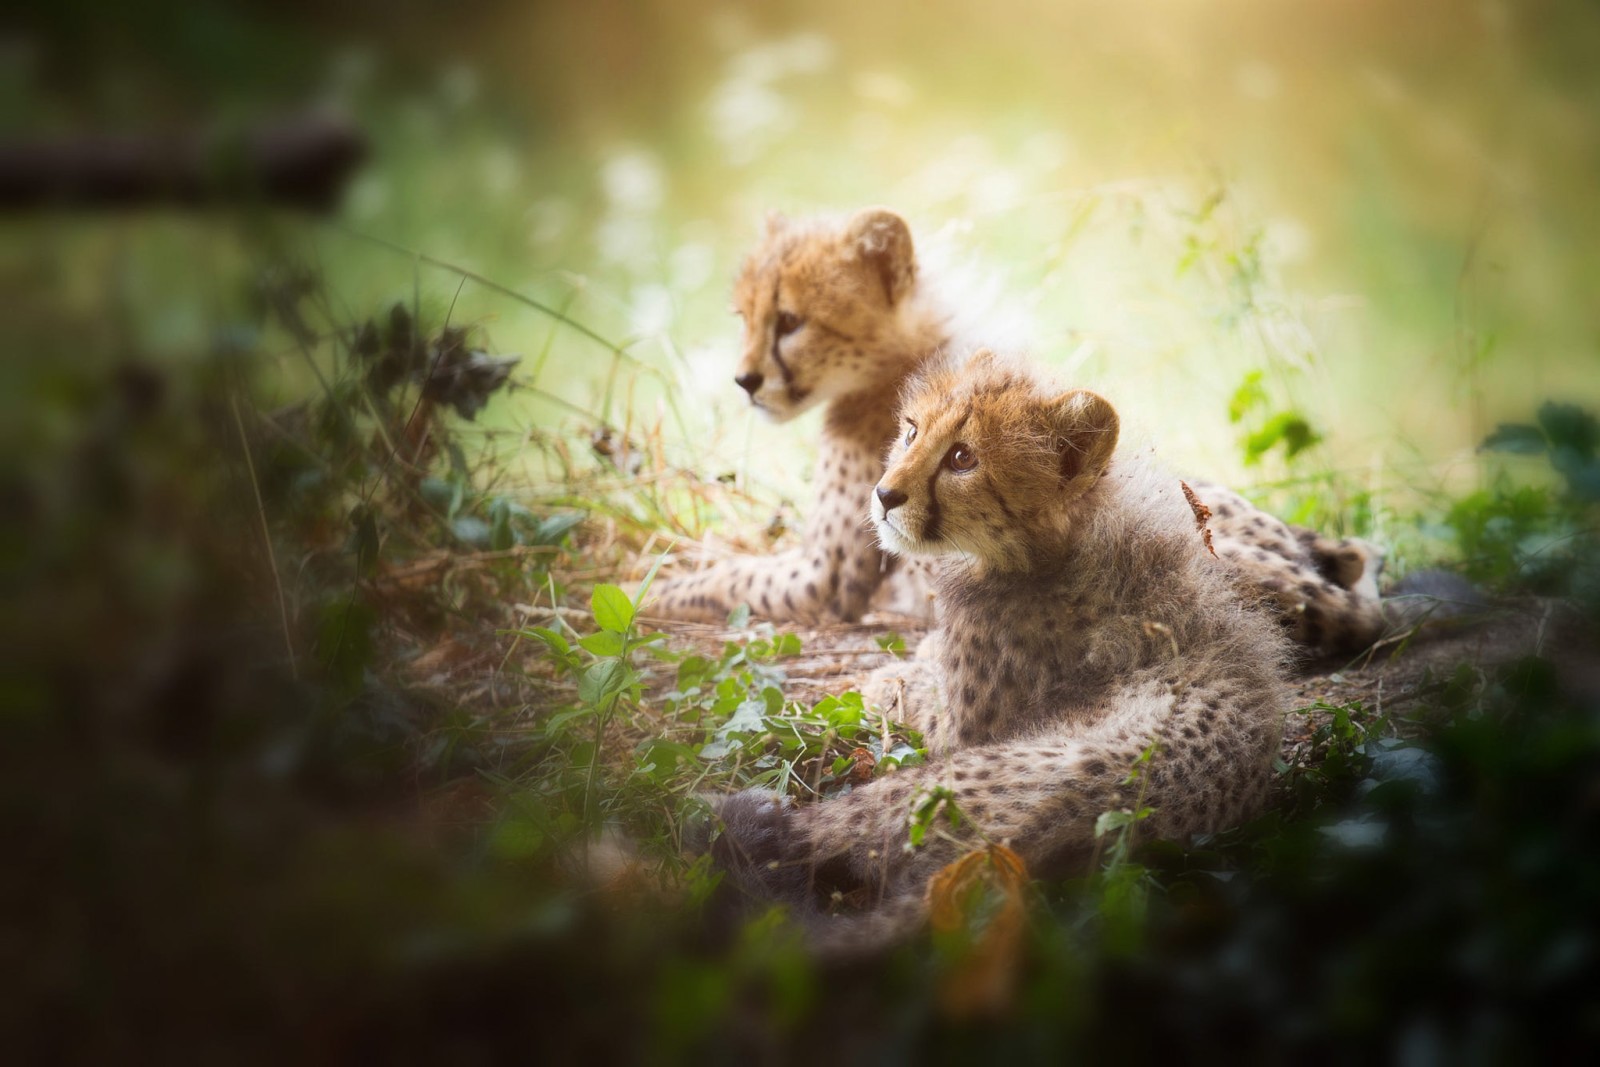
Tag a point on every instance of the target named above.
point(834, 314)
point(841, 314)
point(1324, 590)
point(1084, 622)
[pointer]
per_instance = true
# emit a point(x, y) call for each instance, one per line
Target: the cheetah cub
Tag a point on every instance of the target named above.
point(844, 314)
point(1084, 622)
point(834, 314)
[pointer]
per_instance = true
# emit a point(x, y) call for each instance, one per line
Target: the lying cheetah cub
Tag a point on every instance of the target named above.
point(843, 315)
point(1084, 620)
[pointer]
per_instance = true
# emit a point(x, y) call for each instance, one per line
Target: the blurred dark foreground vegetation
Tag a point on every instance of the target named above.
point(335, 727)
point(250, 817)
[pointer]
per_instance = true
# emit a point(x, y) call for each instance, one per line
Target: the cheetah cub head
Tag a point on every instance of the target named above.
point(991, 465)
point(821, 304)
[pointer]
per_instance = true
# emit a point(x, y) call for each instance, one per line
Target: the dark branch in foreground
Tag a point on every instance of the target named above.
point(301, 162)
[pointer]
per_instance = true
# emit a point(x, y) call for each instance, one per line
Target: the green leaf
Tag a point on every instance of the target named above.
point(602, 680)
point(344, 641)
point(1287, 427)
point(558, 720)
point(739, 617)
point(843, 710)
point(1517, 438)
point(747, 718)
point(900, 753)
point(1249, 395)
point(501, 536)
point(364, 539)
point(604, 643)
point(551, 530)
point(471, 530)
point(692, 671)
point(1111, 820)
point(644, 586)
point(556, 642)
point(713, 750)
point(612, 608)
point(1569, 426)
point(516, 838)
point(437, 492)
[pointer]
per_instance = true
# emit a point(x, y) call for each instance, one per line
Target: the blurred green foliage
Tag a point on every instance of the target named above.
point(219, 849)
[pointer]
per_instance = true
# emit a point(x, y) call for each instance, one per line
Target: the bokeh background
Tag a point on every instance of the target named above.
point(280, 776)
point(1390, 211)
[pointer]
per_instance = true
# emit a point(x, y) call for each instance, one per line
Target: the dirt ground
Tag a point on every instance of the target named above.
point(491, 671)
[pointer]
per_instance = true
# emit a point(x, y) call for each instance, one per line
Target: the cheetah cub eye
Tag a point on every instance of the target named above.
point(911, 432)
point(961, 459)
point(788, 322)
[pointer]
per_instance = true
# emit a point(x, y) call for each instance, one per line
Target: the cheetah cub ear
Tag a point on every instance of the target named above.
point(882, 241)
point(1085, 426)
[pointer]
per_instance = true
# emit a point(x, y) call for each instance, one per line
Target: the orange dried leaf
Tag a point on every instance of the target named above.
point(862, 762)
point(984, 886)
point(1202, 515)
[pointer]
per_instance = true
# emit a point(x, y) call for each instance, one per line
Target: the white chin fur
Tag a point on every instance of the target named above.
point(779, 408)
point(898, 543)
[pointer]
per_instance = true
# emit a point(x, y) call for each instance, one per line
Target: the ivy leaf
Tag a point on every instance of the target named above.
point(714, 750)
point(747, 718)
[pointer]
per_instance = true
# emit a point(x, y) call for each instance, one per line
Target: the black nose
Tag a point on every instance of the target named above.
point(890, 498)
point(750, 382)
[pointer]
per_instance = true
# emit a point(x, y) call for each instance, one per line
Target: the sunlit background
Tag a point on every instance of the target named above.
point(1389, 211)
point(287, 752)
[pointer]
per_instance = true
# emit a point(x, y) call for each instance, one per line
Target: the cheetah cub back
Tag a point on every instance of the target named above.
point(1084, 623)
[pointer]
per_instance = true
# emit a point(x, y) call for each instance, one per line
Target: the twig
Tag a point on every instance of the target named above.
point(266, 536)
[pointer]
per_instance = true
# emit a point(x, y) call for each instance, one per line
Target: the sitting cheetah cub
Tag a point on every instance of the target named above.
point(844, 315)
point(1084, 621)
point(837, 315)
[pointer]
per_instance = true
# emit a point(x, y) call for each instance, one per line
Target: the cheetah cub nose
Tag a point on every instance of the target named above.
point(750, 382)
point(890, 498)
